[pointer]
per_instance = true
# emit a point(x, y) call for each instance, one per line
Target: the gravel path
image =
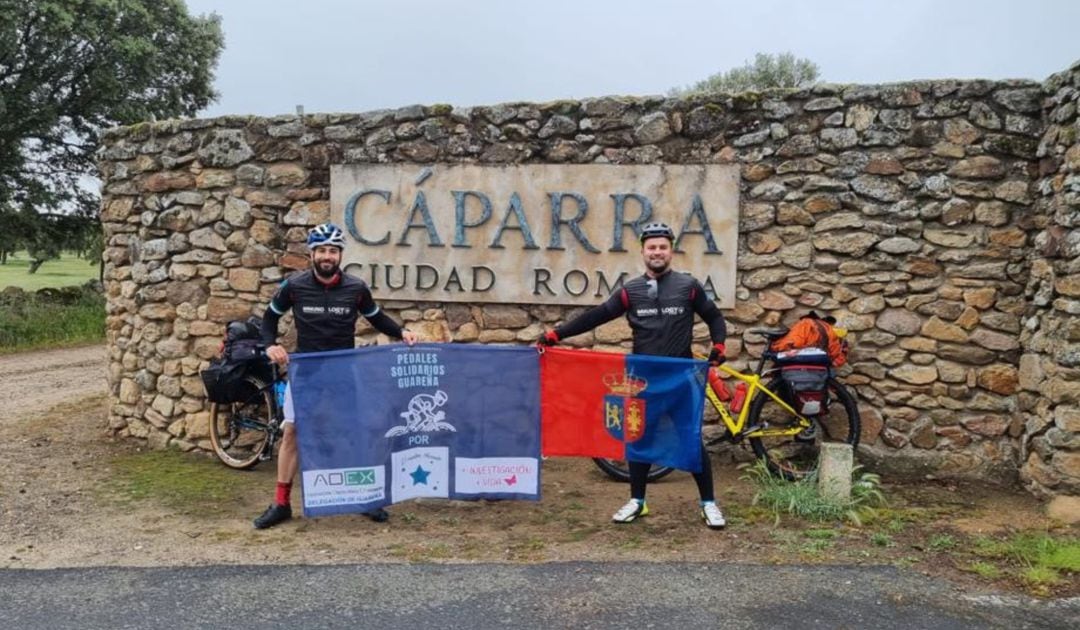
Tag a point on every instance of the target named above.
point(33, 382)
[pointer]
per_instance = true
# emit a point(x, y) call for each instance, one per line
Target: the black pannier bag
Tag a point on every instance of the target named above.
point(808, 385)
point(225, 379)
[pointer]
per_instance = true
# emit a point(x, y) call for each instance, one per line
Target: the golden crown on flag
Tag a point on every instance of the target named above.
point(625, 384)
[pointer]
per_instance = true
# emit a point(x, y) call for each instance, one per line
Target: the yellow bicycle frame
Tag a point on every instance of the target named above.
point(736, 426)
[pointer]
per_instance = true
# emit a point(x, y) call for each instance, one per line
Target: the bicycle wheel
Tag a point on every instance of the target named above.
point(618, 470)
point(795, 456)
point(240, 431)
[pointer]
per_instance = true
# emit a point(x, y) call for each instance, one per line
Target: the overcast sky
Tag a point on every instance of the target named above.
point(359, 55)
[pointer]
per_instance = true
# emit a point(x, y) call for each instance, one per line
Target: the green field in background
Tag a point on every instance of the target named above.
point(63, 272)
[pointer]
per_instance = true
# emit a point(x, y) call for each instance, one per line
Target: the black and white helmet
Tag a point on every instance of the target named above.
point(326, 234)
point(653, 230)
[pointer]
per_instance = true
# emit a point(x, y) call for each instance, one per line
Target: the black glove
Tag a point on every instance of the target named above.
point(717, 354)
point(549, 338)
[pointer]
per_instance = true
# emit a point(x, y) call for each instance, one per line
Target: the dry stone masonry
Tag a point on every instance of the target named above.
point(937, 220)
point(1049, 394)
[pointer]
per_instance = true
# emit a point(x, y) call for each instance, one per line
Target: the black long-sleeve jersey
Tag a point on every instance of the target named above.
point(660, 311)
point(325, 314)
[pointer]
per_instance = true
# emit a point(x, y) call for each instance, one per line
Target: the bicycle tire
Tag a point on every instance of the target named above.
point(618, 470)
point(794, 458)
point(235, 436)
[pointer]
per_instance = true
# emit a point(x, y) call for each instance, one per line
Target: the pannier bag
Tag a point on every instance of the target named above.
point(808, 385)
point(803, 356)
point(226, 382)
point(225, 379)
point(812, 331)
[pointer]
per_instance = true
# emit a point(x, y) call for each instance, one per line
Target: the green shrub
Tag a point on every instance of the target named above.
point(50, 318)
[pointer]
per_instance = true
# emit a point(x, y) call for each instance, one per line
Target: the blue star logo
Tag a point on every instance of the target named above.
point(419, 476)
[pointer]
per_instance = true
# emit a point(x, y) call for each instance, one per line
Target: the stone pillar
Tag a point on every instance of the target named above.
point(1050, 338)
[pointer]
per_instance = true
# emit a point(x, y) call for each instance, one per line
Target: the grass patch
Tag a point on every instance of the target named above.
point(1033, 548)
point(802, 500)
point(985, 570)
point(941, 542)
point(815, 547)
point(65, 271)
point(184, 483)
point(1037, 559)
point(34, 322)
point(881, 539)
point(1039, 577)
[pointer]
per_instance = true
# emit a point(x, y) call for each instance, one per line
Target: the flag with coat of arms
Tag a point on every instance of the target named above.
point(622, 406)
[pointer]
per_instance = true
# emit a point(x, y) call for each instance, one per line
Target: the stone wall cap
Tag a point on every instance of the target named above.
point(413, 111)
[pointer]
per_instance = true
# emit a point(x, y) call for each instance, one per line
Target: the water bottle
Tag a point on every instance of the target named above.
point(718, 386)
point(739, 398)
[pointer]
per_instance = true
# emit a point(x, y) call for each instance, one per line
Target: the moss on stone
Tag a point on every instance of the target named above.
point(1067, 135)
point(140, 131)
point(746, 100)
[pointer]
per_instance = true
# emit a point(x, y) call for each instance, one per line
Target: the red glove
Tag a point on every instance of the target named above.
point(549, 338)
point(718, 354)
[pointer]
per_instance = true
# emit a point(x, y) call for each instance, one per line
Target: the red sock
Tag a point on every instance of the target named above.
point(284, 489)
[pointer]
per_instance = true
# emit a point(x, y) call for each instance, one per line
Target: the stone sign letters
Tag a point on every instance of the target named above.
point(530, 234)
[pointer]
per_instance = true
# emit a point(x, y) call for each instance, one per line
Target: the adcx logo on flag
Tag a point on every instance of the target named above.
point(432, 420)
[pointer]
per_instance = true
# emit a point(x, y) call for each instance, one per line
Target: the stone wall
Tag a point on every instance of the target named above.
point(906, 210)
point(1050, 365)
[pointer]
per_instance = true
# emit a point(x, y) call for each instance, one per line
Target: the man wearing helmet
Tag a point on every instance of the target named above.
point(326, 303)
point(660, 307)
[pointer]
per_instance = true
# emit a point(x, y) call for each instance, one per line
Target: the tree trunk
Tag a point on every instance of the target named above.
point(34, 264)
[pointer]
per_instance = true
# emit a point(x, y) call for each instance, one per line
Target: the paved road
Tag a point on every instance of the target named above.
point(577, 595)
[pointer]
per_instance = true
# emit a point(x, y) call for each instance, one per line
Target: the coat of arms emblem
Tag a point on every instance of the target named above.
point(624, 415)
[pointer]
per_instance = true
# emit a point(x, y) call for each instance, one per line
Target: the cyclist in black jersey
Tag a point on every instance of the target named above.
point(326, 303)
point(660, 307)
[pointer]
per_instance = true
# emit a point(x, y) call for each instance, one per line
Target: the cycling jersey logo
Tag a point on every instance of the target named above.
point(624, 415)
point(423, 415)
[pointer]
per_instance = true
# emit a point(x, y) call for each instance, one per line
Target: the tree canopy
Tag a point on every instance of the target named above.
point(70, 69)
point(767, 71)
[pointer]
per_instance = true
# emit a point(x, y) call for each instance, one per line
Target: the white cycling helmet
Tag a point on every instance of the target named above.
point(653, 230)
point(326, 234)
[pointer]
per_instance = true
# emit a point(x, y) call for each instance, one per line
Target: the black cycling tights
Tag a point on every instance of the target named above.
point(639, 474)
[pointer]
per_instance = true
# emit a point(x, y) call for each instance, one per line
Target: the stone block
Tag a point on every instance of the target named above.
point(834, 471)
point(1065, 509)
point(242, 279)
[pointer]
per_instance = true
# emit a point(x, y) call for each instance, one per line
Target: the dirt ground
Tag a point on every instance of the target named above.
point(73, 496)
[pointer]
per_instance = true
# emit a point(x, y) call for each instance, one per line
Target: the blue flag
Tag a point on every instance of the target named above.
point(385, 424)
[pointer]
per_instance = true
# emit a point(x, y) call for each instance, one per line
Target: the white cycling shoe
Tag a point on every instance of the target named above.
point(631, 511)
point(712, 516)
